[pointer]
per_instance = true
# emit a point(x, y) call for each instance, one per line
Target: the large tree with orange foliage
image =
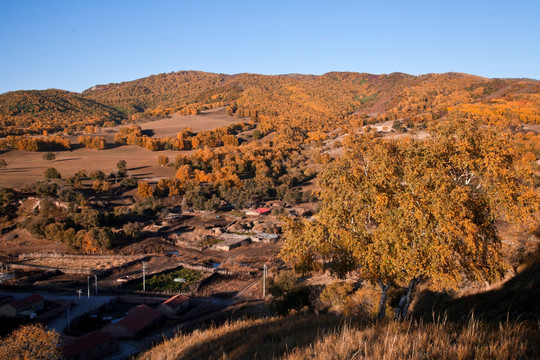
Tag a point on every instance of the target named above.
point(400, 212)
point(31, 342)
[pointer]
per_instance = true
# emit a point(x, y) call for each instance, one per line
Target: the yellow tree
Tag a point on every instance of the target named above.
point(399, 212)
point(31, 342)
point(144, 190)
point(163, 160)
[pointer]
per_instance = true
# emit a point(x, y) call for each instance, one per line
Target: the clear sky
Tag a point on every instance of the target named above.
point(75, 44)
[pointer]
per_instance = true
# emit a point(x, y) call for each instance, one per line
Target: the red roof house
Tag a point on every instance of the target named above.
point(32, 303)
point(257, 212)
point(92, 346)
point(138, 320)
point(174, 305)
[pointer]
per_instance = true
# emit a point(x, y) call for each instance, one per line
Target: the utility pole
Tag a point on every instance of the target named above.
point(264, 280)
point(69, 321)
point(95, 277)
point(88, 279)
point(144, 276)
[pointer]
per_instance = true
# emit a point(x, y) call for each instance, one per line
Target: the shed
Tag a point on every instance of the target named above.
point(232, 241)
point(174, 305)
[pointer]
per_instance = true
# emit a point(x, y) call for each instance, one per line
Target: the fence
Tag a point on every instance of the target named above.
point(76, 256)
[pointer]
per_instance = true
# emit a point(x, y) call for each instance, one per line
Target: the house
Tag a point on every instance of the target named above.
point(232, 241)
point(258, 212)
point(174, 305)
point(92, 346)
point(24, 307)
point(138, 319)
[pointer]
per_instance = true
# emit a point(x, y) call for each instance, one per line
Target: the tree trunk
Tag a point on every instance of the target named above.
point(405, 301)
point(382, 302)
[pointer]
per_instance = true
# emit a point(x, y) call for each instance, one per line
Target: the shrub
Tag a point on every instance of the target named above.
point(52, 173)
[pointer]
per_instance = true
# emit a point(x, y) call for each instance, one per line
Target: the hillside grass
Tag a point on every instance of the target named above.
point(326, 337)
point(500, 323)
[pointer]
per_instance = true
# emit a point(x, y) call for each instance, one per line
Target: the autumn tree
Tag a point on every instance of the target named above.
point(400, 212)
point(121, 166)
point(52, 173)
point(144, 190)
point(163, 160)
point(49, 156)
point(3, 164)
point(31, 342)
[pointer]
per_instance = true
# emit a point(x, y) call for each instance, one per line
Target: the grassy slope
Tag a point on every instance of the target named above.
point(324, 337)
point(456, 335)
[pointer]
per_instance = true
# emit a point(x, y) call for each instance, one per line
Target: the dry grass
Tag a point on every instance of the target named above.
point(324, 337)
point(247, 339)
point(78, 263)
point(412, 340)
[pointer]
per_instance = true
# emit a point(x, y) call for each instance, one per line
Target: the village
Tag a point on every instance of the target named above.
point(192, 268)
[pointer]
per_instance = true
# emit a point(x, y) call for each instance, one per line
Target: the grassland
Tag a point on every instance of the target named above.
point(27, 167)
point(325, 337)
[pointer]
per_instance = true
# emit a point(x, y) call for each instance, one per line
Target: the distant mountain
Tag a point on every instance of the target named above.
point(306, 101)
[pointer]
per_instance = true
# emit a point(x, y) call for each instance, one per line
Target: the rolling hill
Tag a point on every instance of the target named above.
point(306, 101)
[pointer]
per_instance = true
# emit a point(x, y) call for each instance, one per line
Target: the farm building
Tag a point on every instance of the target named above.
point(92, 346)
point(138, 320)
point(24, 307)
point(265, 237)
point(174, 305)
point(232, 241)
point(258, 212)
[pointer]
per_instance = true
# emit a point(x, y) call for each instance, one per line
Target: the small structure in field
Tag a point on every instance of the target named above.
point(92, 346)
point(232, 241)
point(265, 237)
point(258, 212)
point(24, 307)
point(138, 320)
point(174, 305)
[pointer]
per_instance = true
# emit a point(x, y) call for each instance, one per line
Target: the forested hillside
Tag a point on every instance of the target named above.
point(34, 111)
point(305, 101)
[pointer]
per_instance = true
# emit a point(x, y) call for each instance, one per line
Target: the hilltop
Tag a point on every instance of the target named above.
point(307, 101)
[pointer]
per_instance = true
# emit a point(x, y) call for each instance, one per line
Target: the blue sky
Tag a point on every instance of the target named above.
point(76, 44)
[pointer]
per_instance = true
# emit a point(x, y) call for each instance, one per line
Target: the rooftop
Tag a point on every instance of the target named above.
point(176, 301)
point(27, 301)
point(85, 343)
point(139, 318)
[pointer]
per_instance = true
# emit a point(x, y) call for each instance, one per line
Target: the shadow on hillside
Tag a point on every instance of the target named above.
point(516, 299)
point(138, 168)
point(70, 159)
point(268, 339)
point(148, 132)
